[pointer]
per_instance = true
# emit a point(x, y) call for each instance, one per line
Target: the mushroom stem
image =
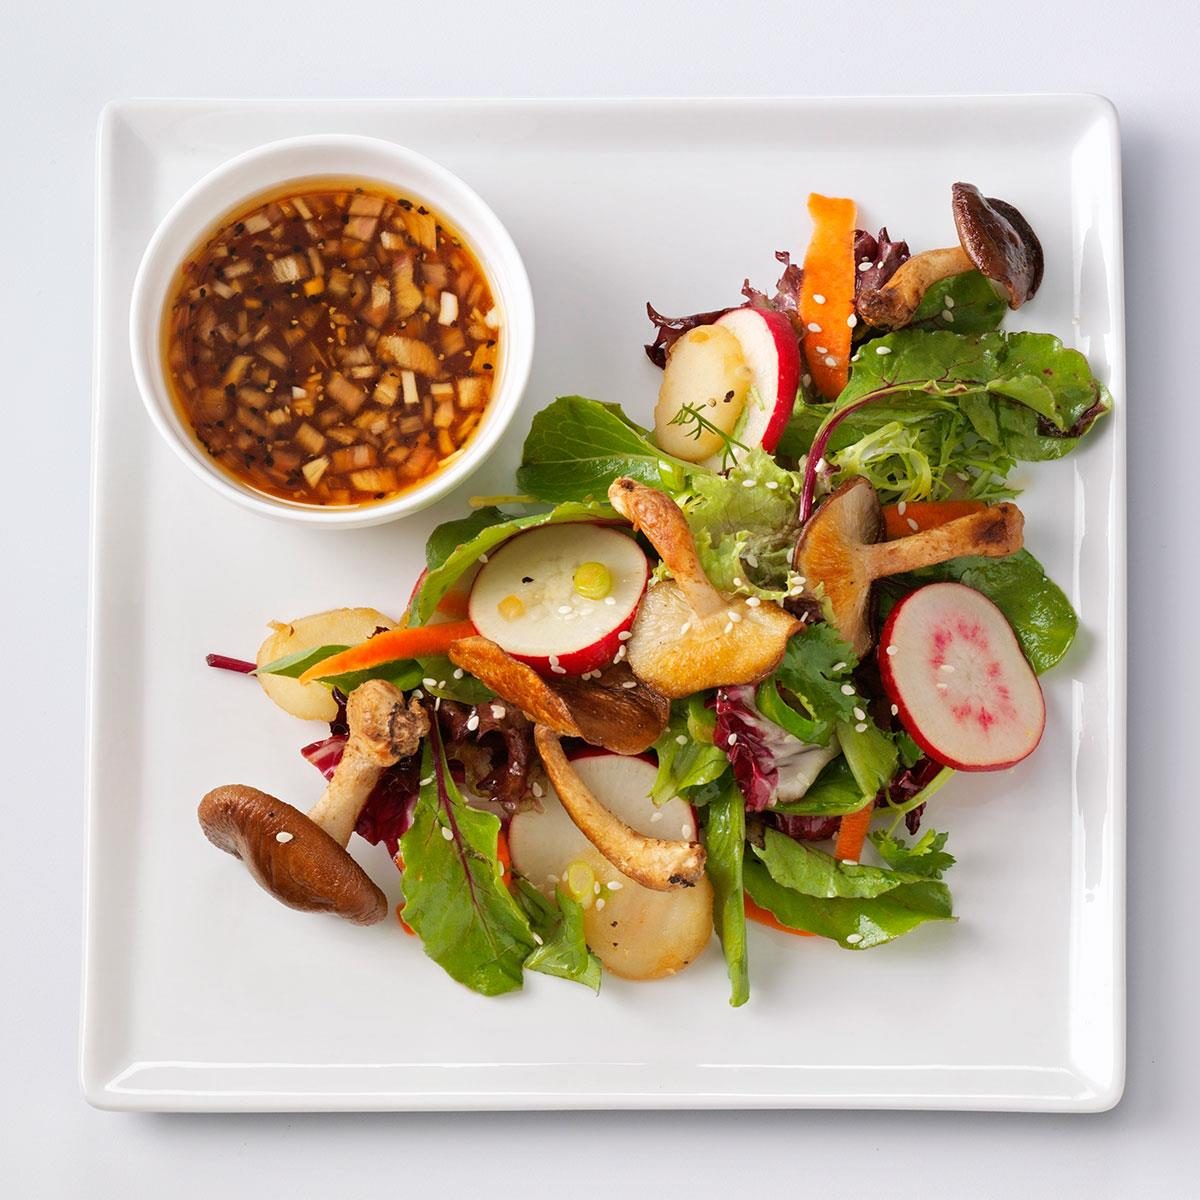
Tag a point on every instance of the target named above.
point(654, 513)
point(893, 305)
point(652, 862)
point(992, 532)
point(382, 731)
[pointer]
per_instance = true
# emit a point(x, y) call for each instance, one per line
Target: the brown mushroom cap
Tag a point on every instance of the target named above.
point(840, 553)
point(290, 856)
point(999, 241)
point(617, 711)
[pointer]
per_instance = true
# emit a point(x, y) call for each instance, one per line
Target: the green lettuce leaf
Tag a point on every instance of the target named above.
point(687, 758)
point(1036, 607)
point(954, 413)
point(482, 538)
point(563, 951)
point(576, 447)
point(927, 857)
point(725, 843)
point(870, 753)
point(855, 924)
point(973, 304)
point(454, 895)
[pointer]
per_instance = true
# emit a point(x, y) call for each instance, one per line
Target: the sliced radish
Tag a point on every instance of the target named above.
point(707, 372)
point(952, 665)
point(772, 353)
point(635, 932)
point(559, 598)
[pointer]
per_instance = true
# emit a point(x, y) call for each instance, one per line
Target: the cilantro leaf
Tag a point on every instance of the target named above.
point(816, 664)
point(926, 857)
point(687, 758)
point(563, 951)
point(454, 896)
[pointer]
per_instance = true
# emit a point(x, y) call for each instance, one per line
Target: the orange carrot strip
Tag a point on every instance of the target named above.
point(766, 917)
point(925, 514)
point(392, 646)
point(504, 858)
point(852, 833)
point(454, 604)
point(827, 293)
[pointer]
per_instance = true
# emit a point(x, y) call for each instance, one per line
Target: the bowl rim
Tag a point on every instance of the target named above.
point(467, 212)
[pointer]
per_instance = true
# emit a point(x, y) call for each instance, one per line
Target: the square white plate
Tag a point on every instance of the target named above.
point(202, 994)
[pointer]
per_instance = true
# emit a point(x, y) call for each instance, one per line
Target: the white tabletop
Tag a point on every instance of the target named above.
point(59, 63)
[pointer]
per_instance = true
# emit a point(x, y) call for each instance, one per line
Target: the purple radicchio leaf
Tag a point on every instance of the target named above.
point(883, 255)
point(668, 330)
point(787, 289)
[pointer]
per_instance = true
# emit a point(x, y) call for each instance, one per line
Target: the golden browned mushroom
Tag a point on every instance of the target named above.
point(687, 636)
point(652, 862)
point(840, 553)
point(993, 237)
point(613, 709)
point(302, 859)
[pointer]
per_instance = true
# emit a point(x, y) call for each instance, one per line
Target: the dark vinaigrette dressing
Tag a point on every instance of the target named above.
point(333, 344)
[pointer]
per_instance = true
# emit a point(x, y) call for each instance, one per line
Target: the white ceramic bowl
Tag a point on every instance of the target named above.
point(298, 159)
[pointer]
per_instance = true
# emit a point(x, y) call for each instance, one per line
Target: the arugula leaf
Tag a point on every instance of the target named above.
point(954, 413)
point(725, 843)
point(743, 524)
point(454, 895)
point(486, 537)
point(687, 757)
point(1034, 605)
point(563, 951)
point(576, 447)
point(870, 753)
point(853, 923)
point(926, 857)
point(403, 673)
point(834, 793)
point(802, 868)
point(974, 305)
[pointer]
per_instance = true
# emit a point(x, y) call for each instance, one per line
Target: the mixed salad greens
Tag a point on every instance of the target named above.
point(695, 675)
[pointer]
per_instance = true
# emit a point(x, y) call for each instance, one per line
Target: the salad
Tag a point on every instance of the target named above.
point(714, 671)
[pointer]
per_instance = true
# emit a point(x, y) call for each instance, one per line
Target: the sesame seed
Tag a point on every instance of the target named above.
point(447, 834)
point(629, 683)
point(551, 878)
point(902, 507)
point(498, 711)
point(681, 739)
point(483, 558)
point(895, 710)
point(735, 617)
point(854, 938)
point(859, 715)
point(686, 831)
point(748, 482)
point(813, 327)
point(912, 524)
point(732, 739)
point(949, 301)
point(847, 690)
point(553, 660)
point(656, 816)
point(883, 349)
point(947, 316)
point(806, 379)
point(752, 601)
point(429, 683)
point(838, 666)
point(684, 628)
point(818, 298)
point(830, 361)
point(418, 694)
point(458, 672)
point(772, 484)
point(738, 581)
point(283, 836)
point(537, 937)
point(849, 862)
point(624, 635)
point(861, 727)
point(946, 667)
point(596, 888)
point(822, 349)
point(728, 626)
point(852, 320)
point(891, 650)
point(610, 600)
point(427, 781)
point(865, 265)
point(942, 687)
point(559, 670)
point(599, 905)
point(473, 722)
point(614, 885)
point(536, 789)
point(564, 610)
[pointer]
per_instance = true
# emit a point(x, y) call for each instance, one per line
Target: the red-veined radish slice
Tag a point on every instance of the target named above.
point(952, 665)
point(772, 353)
point(559, 597)
point(635, 932)
point(706, 370)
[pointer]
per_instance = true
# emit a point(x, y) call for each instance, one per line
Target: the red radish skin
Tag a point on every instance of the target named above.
point(769, 344)
point(964, 691)
point(537, 567)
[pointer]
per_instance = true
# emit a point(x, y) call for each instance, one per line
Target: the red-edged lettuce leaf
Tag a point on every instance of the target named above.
point(668, 330)
point(455, 898)
point(876, 259)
